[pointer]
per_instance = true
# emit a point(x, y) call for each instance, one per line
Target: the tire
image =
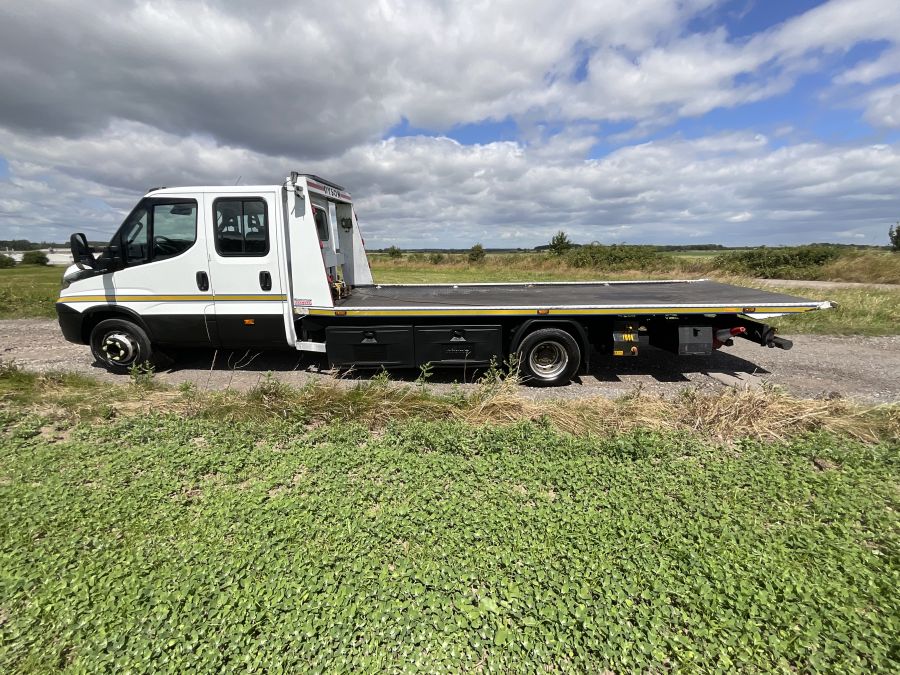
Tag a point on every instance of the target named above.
point(119, 344)
point(549, 357)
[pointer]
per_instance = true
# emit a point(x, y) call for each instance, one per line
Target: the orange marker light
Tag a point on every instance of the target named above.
point(543, 311)
point(249, 322)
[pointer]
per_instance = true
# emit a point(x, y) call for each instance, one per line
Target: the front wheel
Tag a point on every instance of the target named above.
point(120, 344)
point(549, 357)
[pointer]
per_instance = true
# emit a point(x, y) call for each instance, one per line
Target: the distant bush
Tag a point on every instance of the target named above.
point(778, 263)
point(476, 254)
point(394, 253)
point(6, 261)
point(436, 258)
point(894, 236)
point(560, 243)
point(615, 257)
point(35, 258)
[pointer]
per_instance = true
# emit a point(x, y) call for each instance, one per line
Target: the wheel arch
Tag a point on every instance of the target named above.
point(95, 315)
point(574, 328)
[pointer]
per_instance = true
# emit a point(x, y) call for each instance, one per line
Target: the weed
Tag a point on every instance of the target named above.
point(425, 373)
point(142, 375)
point(187, 387)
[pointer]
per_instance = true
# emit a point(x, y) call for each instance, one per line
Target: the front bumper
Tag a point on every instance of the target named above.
point(70, 322)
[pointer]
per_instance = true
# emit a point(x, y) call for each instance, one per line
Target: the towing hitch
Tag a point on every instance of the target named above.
point(764, 335)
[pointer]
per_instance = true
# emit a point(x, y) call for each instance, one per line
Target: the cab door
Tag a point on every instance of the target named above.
point(162, 262)
point(248, 290)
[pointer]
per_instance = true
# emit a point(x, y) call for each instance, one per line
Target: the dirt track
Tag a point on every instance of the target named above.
point(867, 369)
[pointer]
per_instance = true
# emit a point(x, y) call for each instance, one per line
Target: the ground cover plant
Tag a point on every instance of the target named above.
point(256, 532)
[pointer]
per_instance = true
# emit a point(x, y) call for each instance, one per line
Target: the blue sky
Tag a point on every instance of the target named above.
point(801, 108)
point(664, 121)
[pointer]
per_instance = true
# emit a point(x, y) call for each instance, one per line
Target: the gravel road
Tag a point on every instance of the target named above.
point(863, 368)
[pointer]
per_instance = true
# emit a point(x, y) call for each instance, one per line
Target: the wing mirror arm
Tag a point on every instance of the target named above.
point(81, 252)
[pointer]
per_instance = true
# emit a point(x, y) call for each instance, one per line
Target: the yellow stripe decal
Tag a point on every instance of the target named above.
point(560, 311)
point(474, 311)
point(173, 298)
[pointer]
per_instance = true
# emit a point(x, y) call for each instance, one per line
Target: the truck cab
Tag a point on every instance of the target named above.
point(213, 266)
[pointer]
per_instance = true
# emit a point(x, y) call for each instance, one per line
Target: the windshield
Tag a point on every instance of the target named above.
point(134, 235)
point(156, 229)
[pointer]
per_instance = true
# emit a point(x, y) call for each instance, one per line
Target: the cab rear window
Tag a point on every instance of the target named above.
point(242, 227)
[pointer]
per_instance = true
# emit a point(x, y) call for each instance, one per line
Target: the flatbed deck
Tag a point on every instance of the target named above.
point(611, 297)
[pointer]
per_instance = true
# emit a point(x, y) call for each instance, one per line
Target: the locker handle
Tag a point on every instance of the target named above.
point(265, 281)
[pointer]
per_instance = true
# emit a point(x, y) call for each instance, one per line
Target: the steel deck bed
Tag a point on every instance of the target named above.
point(700, 296)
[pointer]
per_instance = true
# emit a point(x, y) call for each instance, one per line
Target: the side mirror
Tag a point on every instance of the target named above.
point(81, 252)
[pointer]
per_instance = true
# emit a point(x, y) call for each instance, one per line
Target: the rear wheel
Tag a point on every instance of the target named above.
point(120, 344)
point(549, 357)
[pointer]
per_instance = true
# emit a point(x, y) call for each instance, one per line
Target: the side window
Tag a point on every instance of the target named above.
point(174, 229)
point(321, 223)
point(242, 227)
point(134, 237)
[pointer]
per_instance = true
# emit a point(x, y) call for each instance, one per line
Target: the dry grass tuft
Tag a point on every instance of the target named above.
point(871, 267)
point(767, 413)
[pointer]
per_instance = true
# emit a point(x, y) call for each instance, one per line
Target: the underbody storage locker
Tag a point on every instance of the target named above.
point(683, 340)
point(695, 340)
point(370, 346)
point(458, 345)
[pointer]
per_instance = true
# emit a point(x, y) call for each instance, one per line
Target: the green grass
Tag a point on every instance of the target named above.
point(165, 542)
point(28, 291)
point(858, 312)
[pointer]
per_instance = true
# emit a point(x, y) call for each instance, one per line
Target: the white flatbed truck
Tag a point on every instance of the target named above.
point(284, 267)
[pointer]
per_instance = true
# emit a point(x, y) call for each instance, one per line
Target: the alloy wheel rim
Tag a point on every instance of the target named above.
point(548, 359)
point(119, 348)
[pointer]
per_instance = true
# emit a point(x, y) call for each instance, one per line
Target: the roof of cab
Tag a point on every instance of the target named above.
point(313, 182)
point(228, 189)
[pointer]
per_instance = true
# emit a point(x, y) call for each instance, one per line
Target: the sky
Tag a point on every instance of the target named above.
point(740, 122)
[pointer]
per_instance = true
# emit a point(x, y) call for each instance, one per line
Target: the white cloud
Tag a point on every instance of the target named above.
point(424, 191)
point(99, 102)
point(886, 65)
point(314, 79)
point(883, 107)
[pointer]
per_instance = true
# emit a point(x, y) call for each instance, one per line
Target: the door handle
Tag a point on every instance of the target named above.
point(265, 281)
point(202, 281)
